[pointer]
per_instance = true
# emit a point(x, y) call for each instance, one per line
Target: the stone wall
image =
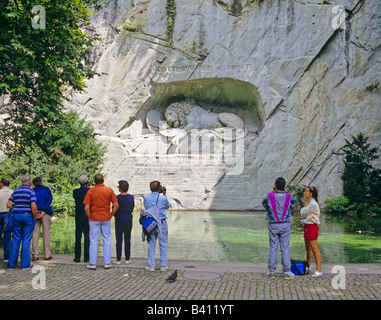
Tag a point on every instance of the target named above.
point(296, 77)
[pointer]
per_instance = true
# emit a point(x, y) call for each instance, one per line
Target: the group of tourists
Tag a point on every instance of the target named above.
point(95, 207)
point(93, 216)
point(32, 210)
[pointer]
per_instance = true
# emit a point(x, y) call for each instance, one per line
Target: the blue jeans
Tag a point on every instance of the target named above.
point(23, 226)
point(163, 244)
point(105, 228)
point(123, 226)
point(279, 233)
point(7, 237)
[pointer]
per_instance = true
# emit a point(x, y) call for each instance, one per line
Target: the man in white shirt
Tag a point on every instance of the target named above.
point(5, 194)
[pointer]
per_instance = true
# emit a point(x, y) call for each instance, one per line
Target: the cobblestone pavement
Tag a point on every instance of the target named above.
point(69, 281)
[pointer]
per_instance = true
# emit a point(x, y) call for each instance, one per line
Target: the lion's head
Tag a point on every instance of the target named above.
point(176, 112)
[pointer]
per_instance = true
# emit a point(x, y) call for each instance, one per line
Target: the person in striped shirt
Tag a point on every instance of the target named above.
point(23, 202)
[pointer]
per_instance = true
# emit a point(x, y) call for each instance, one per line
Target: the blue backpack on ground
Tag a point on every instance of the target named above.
point(299, 267)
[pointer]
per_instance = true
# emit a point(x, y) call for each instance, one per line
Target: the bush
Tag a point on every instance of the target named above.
point(363, 210)
point(76, 152)
point(59, 174)
point(342, 206)
point(337, 205)
point(63, 205)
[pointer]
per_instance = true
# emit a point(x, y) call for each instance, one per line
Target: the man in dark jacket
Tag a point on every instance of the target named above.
point(81, 220)
point(44, 218)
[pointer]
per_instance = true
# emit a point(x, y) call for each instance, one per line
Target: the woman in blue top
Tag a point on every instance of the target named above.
point(123, 222)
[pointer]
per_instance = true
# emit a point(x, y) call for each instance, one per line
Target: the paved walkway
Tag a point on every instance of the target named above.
point(62, 279)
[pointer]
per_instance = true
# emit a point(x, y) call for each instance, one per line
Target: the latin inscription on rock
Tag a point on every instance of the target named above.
point(178, 69)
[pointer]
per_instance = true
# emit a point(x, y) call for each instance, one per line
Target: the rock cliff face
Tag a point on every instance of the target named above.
point(300, 74)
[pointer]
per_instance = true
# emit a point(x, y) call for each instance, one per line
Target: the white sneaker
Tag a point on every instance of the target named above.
point(288, 275)
point(27, 268)
point(91, 266)
point(116, 262)
point(149, 269)
point(107, 266)
point(128, 261)
point(271, 274)
point(163, 268)
point(317, 274)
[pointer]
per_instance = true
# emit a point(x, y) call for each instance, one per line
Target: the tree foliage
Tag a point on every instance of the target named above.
point(36, 66)
point(361, 202)
point(43, 53)
point(171, 16)
point(361, 178)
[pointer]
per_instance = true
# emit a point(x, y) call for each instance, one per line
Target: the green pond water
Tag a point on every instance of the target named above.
point(238, 236)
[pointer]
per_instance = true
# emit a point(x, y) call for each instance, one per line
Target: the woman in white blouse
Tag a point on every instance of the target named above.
point(311, 219)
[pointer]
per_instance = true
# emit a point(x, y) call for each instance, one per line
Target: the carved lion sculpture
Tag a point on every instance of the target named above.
point(187, 116)
point(182, 117)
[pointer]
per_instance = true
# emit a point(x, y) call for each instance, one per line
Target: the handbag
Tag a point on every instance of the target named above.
point(8, 221)
point(149, 224)
point(299, 267)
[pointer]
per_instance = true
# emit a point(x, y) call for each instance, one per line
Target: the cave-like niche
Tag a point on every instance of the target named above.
point(232, 107)
point(212, 94)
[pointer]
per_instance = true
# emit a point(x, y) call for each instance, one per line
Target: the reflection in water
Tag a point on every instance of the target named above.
point(233, 236)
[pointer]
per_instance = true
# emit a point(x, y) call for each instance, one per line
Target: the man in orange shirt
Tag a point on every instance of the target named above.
point(97, 209)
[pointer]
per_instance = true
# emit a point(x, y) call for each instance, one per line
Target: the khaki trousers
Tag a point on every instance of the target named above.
point(45, 222)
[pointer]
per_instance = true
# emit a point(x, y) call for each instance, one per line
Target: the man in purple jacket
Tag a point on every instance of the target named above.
point(279, 204)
